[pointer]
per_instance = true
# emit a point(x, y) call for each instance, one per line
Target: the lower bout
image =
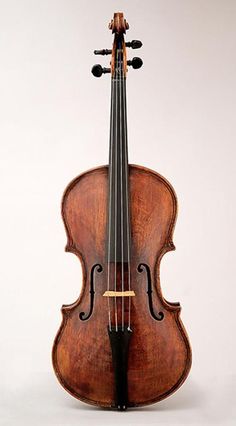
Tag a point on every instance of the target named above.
point(146, 385)
point(134, 399)
point(152, 392)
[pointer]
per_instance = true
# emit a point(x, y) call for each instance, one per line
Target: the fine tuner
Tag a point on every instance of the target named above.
point(98, 70)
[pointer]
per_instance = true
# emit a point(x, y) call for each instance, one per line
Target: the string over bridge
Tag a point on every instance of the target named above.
point(127, 293)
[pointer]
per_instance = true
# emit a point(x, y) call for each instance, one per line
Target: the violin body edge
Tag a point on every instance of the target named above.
point(74, 195)
point(109, 404)
point(71, 247)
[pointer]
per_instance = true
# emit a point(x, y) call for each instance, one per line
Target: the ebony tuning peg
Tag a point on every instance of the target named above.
point(135, 63)
point(102, 52)
point(98, 70)
point(134, 44)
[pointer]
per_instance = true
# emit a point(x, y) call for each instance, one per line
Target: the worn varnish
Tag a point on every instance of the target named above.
point(121, 344)
point(159, 355)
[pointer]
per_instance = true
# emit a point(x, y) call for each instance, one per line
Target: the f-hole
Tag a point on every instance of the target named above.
point(141, 268)
point(96, 268)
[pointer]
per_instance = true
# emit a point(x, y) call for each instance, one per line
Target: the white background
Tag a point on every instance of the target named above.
point(54, 124)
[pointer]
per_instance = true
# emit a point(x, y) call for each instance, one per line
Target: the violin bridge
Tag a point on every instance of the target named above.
point(110, 293)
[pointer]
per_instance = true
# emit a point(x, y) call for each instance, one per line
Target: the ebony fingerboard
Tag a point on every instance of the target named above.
point(118, 235)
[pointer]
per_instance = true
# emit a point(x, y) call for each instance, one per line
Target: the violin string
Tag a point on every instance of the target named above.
point(127, 199)
point(116, 179)
point(110, 202)
point(121, 192)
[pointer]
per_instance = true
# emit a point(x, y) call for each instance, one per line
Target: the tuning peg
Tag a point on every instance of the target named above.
point(135, 63)
point(134, 44)
point(102, 52)
point(97, 70)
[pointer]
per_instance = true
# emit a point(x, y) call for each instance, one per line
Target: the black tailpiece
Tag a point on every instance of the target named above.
point(119, 340)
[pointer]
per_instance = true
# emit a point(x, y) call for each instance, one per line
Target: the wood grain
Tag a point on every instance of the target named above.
point(159, 353)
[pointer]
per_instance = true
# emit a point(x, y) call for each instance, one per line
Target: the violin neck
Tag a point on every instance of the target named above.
point(119, 222)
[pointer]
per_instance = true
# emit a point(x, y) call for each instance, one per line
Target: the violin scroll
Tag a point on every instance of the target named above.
point(118, 24)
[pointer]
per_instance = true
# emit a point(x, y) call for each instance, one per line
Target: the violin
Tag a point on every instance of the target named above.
point(121, 344)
